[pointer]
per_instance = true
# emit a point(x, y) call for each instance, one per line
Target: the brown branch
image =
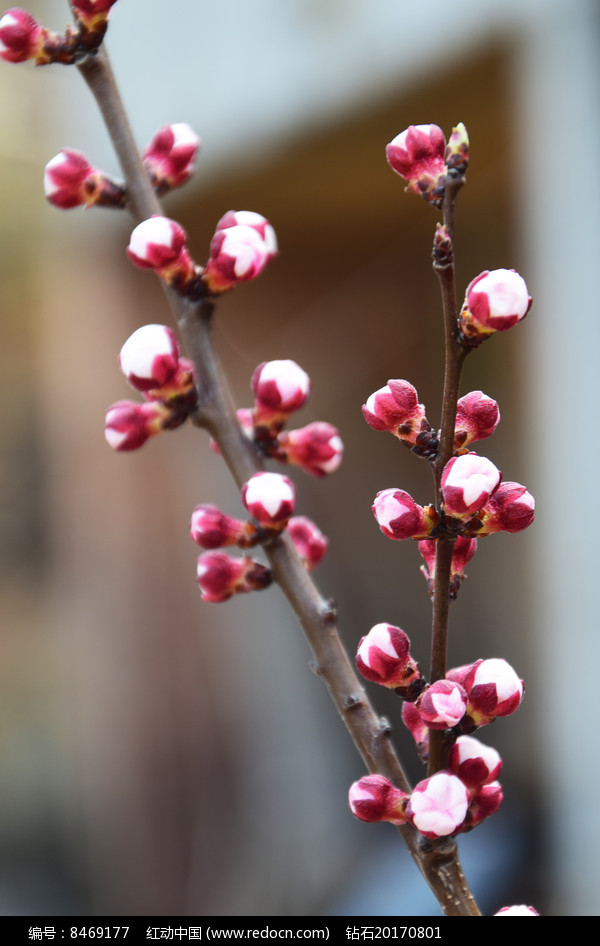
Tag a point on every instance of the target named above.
point(371, 735)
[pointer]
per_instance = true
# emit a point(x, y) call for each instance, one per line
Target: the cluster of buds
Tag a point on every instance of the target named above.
point(480, 504)
point(269, 498)
point(395, 408)
point(22, 37)
point(243, 244)
point(420, 155)
point(151, 362)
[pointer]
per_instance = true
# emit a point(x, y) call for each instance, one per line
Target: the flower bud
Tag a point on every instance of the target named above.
point(280, 387)
point(467, 483)
point(495, 301)
point(220, 576)
point(442, 705)
point(150, 357)
point(417, 728)
point(212, 529)
point(71, 181)
point(477, 417)
point(391, 406)
point(317, 448)
point(473, 762)
point(92, 13)
point(128, 425)
point(457, 150)
point(21, 37)
point(484, 803)
point(309, 541)
point(270, 499)
point(520, 910)
point(399, 516)
point(159, 243)
point(493, 689)
point(438, 805)
point(374, 798)
point(170, 155)
point(462, 553)
point(248, 218)
point(383, 657)
point(238, 253)
point(510, 509)
point(417, 155)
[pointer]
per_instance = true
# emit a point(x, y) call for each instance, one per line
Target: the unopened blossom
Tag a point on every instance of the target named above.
point(417, 728)
point(392, 405)
point(159, 243)
point(399, 516)
point(280, 387)
point(477, 417)
point(374, 798)
point(170, 155)
point(417, 154)
point(485, 802)
point(475, 763)
point(150, 357)
point(128, 425)
point(383, 657)
point(467, 483)
point(220, 576)
point(309, 541)
point(494, 302)
point(237, 253)
point(269, 498)
point(438, 805)
point(510, 509)
point(249, 218)
point(212, 529)
point(442, 705)
point(92, 13)
point(69, 180)
point(518, 910)
point(21, 36)
point(457, 150)
point(316, 448)
point(493, 689)
point(463, 551)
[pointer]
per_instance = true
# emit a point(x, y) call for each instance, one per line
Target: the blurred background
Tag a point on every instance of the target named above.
point(162, 756)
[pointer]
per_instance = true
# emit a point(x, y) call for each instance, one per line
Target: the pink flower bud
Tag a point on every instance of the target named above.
point(248, 218)
point(520, 910)
point(473, 762)
point(417, 155)
point(238, 253)
point(374, 798)
point(220, 576)
point(65, 176)
point(383, 657)
point(170, 155)
point(417, 728)
point(442, 705)
point(309, 541)
point(510, 509)
point(150, 357)
point(20, 36)
point(129, 425)
point(484, 803)
point(462, 553)
point(317, 448)
point(159, 243)
point(477, 417)
point(399, 516)
point(467, 483)
point(391, 406)
point(438, 805)
point(92, 12)
point(212, 529)
point(495, 301)
point(280, 387)
point(269, 498)
point(493, 689)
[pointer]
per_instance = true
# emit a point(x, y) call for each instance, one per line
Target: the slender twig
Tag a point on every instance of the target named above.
point(371, 735)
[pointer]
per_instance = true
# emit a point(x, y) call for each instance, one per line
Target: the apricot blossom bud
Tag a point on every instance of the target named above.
point(280, 387)
point(510, 509)
point(238, 253)
point(477, 417)
point(159, 243)
point(316, 448)
point(493, 689)
point(467, 483)
point(374, 798)
point(494, 302)
point(462, 553)
point(383, 657)
point(212, 529)
point(391, 405)
point(417, 728)
point(417, 154)
point(457, 151)
point(149, 358)
point(485, 802)
point(21, 36)
point(309, 541)
point(438, 805)
point(473, 762)
point(442, 705)
point(220, 576)
point(518, 910)
point(399, 516)
point(128, 425)
point(248, 218)
point(170, 155)
point(270, 499)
